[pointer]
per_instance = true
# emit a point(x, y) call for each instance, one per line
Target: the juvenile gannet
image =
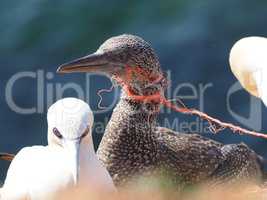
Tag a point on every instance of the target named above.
point(134, 145)
point(248, 61)
point(68, 159)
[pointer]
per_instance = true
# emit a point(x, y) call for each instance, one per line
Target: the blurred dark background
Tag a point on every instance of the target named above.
point(192, 39)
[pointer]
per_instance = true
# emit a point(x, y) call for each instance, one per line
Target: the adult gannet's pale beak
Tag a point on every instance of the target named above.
point(93, 63)
point(73, 151)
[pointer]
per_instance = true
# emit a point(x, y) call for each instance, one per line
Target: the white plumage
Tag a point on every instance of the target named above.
point(248, 61)
point(68, 159)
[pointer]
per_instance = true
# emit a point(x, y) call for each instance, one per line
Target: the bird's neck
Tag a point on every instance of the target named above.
point(147, 96)
point(131, 128)
point(88, 156)
point(132, 117)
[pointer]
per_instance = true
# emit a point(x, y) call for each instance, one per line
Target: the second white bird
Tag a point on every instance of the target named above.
point(68, 160)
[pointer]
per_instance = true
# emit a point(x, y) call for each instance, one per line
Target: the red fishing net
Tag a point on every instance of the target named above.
point(142, 74)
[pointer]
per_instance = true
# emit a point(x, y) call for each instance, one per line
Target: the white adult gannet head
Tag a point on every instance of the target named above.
point(248, 62)
point(69, 159)
point(70, 120)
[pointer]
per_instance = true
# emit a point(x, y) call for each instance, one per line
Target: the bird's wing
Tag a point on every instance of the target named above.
point(195, 157)
point(240, 164)
point(19, 173)
point(18, 166)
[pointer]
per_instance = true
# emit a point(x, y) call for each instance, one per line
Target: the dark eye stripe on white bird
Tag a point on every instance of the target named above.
point(85, 132)
point(57, 133)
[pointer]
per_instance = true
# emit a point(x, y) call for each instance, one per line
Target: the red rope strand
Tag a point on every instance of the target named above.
point(137, 72)
point(101, 98)
point(215, 124)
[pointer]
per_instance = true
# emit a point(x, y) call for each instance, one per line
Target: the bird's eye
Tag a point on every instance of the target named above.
point(57, 133)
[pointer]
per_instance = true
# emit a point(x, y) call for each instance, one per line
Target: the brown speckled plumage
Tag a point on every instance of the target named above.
point(133, 145)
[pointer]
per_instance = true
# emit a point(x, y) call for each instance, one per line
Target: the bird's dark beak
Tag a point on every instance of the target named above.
point(93, 63)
